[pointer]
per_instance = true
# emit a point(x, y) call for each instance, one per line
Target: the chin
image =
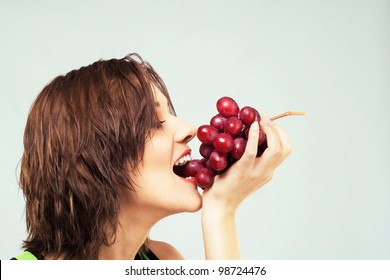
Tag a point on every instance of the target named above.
point(196, 208)
point(191, 206)
point(196, 205)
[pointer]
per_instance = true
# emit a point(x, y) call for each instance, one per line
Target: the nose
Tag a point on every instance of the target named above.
point(185, 132)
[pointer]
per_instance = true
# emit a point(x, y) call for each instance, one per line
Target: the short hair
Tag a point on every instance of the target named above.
point(85, 135)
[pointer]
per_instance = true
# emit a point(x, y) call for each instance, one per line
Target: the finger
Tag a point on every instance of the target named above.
point(276, 156)
point(251, 145)
point(273, 141)
point(284, 141)
point(272, 154)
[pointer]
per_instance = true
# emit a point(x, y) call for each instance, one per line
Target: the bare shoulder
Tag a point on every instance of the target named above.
point(164, 251)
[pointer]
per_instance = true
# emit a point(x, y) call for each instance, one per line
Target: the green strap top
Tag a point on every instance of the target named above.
point(26, 256)
point(141, 255)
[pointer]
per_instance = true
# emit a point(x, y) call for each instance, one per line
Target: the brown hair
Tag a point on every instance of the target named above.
point(85, 134)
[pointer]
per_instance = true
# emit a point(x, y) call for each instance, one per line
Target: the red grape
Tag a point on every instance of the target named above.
point(204, 178)
point(233, 126)
point(218, 121)
point(218, 161)
point(205, 150)
point(192, 167)
point(262, 137)
point(207, 133)
point(227, 107)
point(261, 148)
point(238, 148)
point(248, 115)
point(223, 143)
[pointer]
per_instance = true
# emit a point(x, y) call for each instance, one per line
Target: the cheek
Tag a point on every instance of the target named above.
point(155, 168)
point(158, 153)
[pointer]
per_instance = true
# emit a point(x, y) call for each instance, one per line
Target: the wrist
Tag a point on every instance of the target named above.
point(217, 210)
point(219, 231)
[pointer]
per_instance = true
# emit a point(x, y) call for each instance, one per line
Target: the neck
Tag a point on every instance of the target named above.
point(132, 232)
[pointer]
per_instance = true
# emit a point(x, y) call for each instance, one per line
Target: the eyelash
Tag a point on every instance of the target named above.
point(160, 124)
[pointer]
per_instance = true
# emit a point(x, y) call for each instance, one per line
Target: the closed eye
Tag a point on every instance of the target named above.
point(159, 124)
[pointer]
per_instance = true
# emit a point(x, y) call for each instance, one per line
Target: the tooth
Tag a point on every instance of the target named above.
point(183, 160)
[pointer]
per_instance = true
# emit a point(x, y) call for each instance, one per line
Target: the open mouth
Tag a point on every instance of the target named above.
point(179, 166)
point(188, 168)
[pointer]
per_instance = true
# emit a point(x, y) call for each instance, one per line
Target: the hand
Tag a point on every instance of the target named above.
point(249, 173)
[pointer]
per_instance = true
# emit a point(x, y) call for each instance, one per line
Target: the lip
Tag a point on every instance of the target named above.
point(189, 180)
point(186, 152)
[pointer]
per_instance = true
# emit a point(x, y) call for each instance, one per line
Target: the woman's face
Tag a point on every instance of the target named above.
point(159, 188)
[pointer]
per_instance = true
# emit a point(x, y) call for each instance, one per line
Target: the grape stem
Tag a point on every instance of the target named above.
point(288, 113)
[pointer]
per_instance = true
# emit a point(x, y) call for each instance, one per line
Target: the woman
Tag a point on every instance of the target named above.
point(97, 170)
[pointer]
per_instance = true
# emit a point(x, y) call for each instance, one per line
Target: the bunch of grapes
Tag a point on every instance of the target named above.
point(223, 141)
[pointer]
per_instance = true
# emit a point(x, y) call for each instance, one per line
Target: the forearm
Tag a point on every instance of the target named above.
point(219, 234)
point(232, 187)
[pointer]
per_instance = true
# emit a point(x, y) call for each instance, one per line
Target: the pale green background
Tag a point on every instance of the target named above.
point(331, 198)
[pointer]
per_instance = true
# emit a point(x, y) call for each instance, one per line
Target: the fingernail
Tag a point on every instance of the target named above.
point(255, 125)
